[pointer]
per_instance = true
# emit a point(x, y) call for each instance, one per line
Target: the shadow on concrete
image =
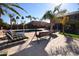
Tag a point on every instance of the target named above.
point(71, 49)
point(6, 45)
point(36, 49)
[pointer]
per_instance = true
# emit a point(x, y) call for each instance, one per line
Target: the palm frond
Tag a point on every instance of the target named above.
point(17, 17)
point(34, 18)
point(62, 12)
point(13, 20)
point(29, 16)
point(10, 15)
point(22, 17)
point(16, 5)
point(10, 8)
point(57, 8)
point(1, 11)
point(48, 15)
point(5, 11)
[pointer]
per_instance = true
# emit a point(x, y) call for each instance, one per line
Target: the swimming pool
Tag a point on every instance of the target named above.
point(27, 30)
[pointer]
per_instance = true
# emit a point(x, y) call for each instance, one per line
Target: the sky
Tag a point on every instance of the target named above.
point(38, 10)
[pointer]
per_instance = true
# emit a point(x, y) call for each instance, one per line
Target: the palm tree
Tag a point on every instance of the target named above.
point(1, 23)
point(9, 6)
point(29, 17)
point(17, 17)
point(23, 22)
point(51, 16)
point(22, 17)
point(35, 18)
point(11, 18)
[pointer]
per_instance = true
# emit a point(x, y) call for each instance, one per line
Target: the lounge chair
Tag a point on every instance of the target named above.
point(11, 40)
point(13, 36)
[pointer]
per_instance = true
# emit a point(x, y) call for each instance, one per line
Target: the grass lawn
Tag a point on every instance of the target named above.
point(72, 35)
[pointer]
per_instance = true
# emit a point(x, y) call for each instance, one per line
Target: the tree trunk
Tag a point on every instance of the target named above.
point(11, 23)
point(63, 29)
point(30, 19)
point(0, 12)
point(23, 28)
point(51, 28)
point(0, 18)
point(51, 25)
point(17, 26)
point(57, 27)
point(0, 15)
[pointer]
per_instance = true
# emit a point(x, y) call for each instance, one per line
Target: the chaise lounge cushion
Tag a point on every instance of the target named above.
point(13, 36)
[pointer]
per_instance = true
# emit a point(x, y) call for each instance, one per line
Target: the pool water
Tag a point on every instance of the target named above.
point(27, 30)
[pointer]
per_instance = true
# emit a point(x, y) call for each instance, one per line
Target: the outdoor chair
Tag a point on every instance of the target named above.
point(12, 33)
point(42, 34)
point(10, 40)
point(13, 36)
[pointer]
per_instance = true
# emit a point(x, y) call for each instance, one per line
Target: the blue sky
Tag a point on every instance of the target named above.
point(38, 9)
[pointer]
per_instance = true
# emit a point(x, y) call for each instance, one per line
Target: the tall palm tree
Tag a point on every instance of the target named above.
point(23, 22)
point(1, 23)
point(22, 17)
point(13, 21)
point(17, 17)
point(11, 18)
point(29, 17)
point(51, 16)
point(35, 18)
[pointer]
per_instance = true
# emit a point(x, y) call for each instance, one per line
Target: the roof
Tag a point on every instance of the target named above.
point(70, 13)
point(38, 24)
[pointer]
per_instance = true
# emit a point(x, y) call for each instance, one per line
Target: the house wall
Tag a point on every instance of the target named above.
point(73, 20)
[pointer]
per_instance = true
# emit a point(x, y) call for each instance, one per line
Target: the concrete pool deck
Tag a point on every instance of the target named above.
point(30, 47)
point(45, 47)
